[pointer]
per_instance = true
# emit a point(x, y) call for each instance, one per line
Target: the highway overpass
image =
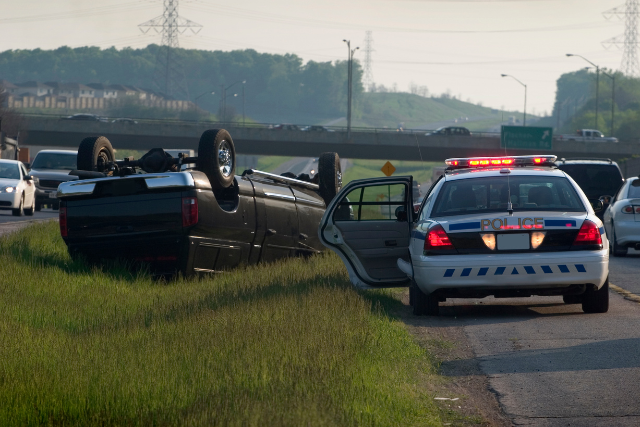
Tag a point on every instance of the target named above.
point(371, 144)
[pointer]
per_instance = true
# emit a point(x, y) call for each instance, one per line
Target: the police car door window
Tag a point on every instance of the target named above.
point(372, 203)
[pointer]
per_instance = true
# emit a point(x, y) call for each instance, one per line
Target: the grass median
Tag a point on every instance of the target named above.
point(290, 343)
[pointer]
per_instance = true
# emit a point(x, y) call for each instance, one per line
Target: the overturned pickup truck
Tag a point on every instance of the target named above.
point(204, 219)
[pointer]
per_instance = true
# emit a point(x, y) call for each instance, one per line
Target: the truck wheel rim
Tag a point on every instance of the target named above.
point(225, 159)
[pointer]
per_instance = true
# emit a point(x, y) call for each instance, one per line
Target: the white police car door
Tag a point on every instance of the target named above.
point(367, 225)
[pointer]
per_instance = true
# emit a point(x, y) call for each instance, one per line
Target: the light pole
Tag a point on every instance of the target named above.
point(613, 95)
point(524, 120)
point(201, 95)
point(223, 99)
point(597, 84)
point(350, 53)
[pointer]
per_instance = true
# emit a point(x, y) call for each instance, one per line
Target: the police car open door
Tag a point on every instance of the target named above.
point(368, 224)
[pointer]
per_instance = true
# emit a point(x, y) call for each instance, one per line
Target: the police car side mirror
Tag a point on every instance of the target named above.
point(597, 206)
point(401, 214)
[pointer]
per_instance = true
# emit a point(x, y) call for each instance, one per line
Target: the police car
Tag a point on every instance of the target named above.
point(503, 226)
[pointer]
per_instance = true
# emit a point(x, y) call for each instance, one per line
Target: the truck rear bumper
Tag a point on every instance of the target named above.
point(166, 253)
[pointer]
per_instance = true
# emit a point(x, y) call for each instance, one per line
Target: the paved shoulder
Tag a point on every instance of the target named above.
point(11, 226)
point(552, 365)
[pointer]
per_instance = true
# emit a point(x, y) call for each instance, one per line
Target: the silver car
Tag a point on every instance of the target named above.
point(622, 218)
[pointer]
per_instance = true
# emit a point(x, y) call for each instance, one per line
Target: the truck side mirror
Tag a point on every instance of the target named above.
point(597, 206)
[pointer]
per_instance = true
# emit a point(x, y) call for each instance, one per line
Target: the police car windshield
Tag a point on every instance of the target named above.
point(528, 193)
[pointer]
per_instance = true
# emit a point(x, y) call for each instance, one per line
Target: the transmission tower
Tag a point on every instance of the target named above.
point(629, 40)
point(367, 79)
point(169, 74)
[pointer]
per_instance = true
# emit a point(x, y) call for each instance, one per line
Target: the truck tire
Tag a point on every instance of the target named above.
point(330, 176)
point(217, 158)
point(94, 152)
point(616, 249)
point(19, 211)
point(596, 301)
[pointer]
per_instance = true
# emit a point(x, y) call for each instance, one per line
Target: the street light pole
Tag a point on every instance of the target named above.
point(201, 95)
point(223, 100)
point(350, 53)
point(524, 120)
point(597, 84)
point(613, 96)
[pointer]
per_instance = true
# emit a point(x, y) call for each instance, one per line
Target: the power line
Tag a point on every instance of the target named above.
point(367, 79)
point(169, 73)
point(629, 40)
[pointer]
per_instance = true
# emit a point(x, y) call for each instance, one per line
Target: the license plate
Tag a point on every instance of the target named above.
point(512, 242)
point(53, 195)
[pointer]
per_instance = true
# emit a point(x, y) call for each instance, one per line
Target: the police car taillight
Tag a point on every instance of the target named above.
point(627, 209)
point(480, 162)
point(437, 239)
point(588, 234)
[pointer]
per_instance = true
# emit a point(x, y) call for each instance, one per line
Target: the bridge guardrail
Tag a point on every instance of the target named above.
point(223, 124)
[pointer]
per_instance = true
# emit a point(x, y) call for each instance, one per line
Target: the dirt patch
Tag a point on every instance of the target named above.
point(446, 340)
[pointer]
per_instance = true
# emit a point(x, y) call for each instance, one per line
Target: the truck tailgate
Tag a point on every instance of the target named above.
point(125, 216)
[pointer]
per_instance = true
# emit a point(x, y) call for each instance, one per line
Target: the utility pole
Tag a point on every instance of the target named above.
point(367, 78)
point(169, 73)
point(349, 83)
point(613, 96)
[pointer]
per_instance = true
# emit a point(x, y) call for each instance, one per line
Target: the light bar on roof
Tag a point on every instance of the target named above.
point(483, 162)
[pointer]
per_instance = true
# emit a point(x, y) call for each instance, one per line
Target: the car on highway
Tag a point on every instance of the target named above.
point(86, 117)
point(125, 120)
point(622, 218)
point(598, 178)
point(51, 168)
point(17, 190)
point(450, 131)
point(316, 128)
point(502, 226)
point(198, 220)
point(284, 126)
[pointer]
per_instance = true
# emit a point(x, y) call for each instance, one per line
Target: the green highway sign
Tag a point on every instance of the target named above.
point(528, 138)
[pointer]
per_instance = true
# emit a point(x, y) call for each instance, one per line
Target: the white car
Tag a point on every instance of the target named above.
point(17, 190)
point(502, 226)
point(622, 218)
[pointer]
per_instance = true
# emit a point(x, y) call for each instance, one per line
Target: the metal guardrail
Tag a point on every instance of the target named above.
point(224, 124)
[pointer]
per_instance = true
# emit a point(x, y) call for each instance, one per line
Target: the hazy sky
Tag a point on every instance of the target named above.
point(456, 45)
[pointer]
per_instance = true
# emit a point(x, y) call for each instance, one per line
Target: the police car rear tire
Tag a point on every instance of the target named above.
point(596, 301)
point(424, 304)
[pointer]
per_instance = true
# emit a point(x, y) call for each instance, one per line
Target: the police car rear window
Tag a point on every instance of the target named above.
point(528, 193)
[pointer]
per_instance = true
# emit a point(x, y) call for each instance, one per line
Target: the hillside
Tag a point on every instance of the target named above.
point(417, 112)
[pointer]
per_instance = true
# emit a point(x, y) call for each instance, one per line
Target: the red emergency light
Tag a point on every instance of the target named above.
point(479, 162)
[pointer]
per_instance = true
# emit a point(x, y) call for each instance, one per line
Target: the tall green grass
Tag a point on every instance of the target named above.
point(289, 343)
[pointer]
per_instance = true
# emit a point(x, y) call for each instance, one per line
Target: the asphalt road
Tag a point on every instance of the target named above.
point(550, 364)
point(299, 165)
point(10, 223)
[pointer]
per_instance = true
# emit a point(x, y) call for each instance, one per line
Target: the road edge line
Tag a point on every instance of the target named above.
point(625, 293)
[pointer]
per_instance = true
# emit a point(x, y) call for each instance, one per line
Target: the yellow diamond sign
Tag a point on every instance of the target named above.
point(388, 169)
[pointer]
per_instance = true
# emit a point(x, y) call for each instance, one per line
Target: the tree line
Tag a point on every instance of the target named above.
point(278, 87)
point(575, 104)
